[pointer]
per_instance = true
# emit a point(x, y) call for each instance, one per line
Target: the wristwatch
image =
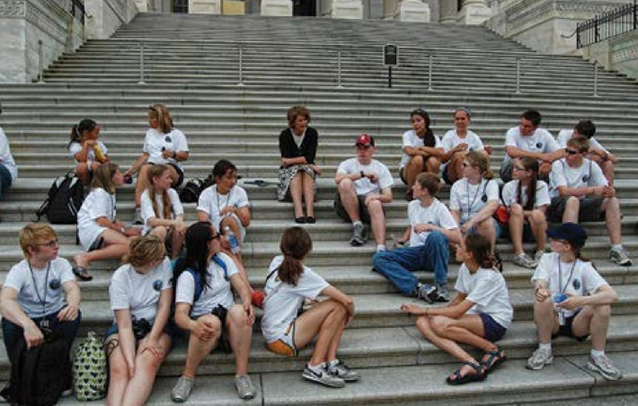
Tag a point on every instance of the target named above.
point(363, 175)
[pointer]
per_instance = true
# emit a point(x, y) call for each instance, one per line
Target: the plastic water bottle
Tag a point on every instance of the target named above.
point(230, 237)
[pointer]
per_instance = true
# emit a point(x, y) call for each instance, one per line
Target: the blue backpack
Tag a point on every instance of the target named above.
point(199, 285)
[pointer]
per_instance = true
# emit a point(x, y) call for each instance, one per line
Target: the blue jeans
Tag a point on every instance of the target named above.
point(5, 179)
point(12, 334)
point(397, 265)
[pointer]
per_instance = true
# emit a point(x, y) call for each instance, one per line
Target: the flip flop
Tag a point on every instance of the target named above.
point(495, 359)
point(81, 273)
point(457, 379)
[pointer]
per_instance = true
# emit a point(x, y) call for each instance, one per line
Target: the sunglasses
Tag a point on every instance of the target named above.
point(571, 152)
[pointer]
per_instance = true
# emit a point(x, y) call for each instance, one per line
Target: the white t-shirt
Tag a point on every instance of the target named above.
point(488, 290)
point(283, 300)
point(576, 278)
point(212, 203)
point(155, 141)
point(140, 293)
point(5, 156)
point(451, 140)
point(410, 139)
point(99, 203)
point(470, 199)
point(588, 174)
point(540, 199)
point(147, 211)
point(218, 291)
point(19, 278)
point(565, 135)
point(539, 142)
point(76, 147)
point(436, 213)
point(365, 186)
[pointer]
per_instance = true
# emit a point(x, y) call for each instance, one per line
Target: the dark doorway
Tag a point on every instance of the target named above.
point(304, 8)
point(180, 6)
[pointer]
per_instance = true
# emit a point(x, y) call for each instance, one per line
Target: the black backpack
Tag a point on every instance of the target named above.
point(63, 201)
point(40, 374)
point(193, 188)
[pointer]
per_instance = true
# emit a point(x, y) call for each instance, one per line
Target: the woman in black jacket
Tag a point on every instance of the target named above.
point(297, 173)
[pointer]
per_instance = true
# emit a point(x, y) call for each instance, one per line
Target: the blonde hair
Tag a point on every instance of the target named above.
point(581, 144)
point(103, 177)
point(155, 172)
point(482, 162)
point(145, 250)
point(163, 116)
point(34, 234)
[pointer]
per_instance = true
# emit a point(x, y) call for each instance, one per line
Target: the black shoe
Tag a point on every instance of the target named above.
point(300, 220)
point(311, 220)
point(81, 273)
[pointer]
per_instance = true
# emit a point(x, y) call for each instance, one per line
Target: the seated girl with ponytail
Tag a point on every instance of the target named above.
point(478, 316)
point(162, 211)
point(88, 151)
point(527, 199)
point(288, 284)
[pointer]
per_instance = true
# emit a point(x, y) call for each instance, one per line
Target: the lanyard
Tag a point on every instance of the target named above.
point(562, 288)
point(43, 300)
point(467, 191)
point(219, 205)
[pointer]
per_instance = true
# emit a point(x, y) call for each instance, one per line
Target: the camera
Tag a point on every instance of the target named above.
point(141, 328)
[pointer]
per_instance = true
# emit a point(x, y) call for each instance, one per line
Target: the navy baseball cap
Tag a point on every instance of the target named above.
point(573, 233)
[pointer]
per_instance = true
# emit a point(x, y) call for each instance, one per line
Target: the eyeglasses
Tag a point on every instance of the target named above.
point(50, 244)
point(571, 152)
point(215, 237)
point(518, 168)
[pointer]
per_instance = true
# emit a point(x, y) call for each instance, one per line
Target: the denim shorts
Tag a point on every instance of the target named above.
point(493, 330)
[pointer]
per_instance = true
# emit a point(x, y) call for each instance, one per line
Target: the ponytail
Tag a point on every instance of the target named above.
point(295, 245)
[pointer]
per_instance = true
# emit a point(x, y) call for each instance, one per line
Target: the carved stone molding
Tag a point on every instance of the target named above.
point(624, 51)
point(42, 20)
point(534, 11)
point(13, 8)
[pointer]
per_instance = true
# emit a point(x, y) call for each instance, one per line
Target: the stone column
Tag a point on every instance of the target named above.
point(448, 10)
point(388, 8)
point(276, 8)
point(412, 11)
point(474, 12)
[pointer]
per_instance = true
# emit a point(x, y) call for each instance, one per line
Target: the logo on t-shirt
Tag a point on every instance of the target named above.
point(157, 285)
point(539, 145)
point(576, 284)
point(54, 284)
point(585, 178)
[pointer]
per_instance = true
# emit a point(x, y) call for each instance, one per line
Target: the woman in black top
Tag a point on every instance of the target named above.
point(297, 173)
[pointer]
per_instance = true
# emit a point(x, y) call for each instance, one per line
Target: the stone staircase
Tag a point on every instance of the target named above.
point(191, 65)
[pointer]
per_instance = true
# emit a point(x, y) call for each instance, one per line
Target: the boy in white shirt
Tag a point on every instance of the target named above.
point(363, 186)
point(597, 153)
point(572, 299)
point(8, 168)
point(580, 191)
point(432, 229)
point(529, 140)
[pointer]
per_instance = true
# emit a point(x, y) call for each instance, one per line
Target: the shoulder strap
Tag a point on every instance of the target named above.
point(222, 264)
point(198, 284)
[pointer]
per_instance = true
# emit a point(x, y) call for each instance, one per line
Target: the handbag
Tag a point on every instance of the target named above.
point(502, 214)
point(90, 373)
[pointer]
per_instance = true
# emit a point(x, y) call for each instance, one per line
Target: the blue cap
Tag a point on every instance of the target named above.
point(573, 233)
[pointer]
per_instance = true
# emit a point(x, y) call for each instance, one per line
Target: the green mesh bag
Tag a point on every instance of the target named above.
point(90, 372)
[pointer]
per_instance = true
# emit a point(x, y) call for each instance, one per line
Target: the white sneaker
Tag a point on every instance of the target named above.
point(539, 359)
point(620, 257)
point(323, 377)
point(602, 364)
point(182, 389)
point(342, 371)
point(525, 261)
point(539, 255)
point(245, 387)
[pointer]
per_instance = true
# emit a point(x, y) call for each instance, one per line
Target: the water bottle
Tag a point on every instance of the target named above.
point(230, 237)
point(559, 297)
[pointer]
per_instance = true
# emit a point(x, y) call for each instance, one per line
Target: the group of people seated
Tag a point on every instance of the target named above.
point(156, 301)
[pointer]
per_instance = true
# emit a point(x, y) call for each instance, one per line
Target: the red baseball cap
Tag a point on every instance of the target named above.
point(364, 140)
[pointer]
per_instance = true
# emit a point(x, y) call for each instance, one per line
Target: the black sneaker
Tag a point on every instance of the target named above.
point(427, 292)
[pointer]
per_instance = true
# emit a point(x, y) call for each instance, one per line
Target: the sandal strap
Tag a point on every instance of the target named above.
point(478, 367)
